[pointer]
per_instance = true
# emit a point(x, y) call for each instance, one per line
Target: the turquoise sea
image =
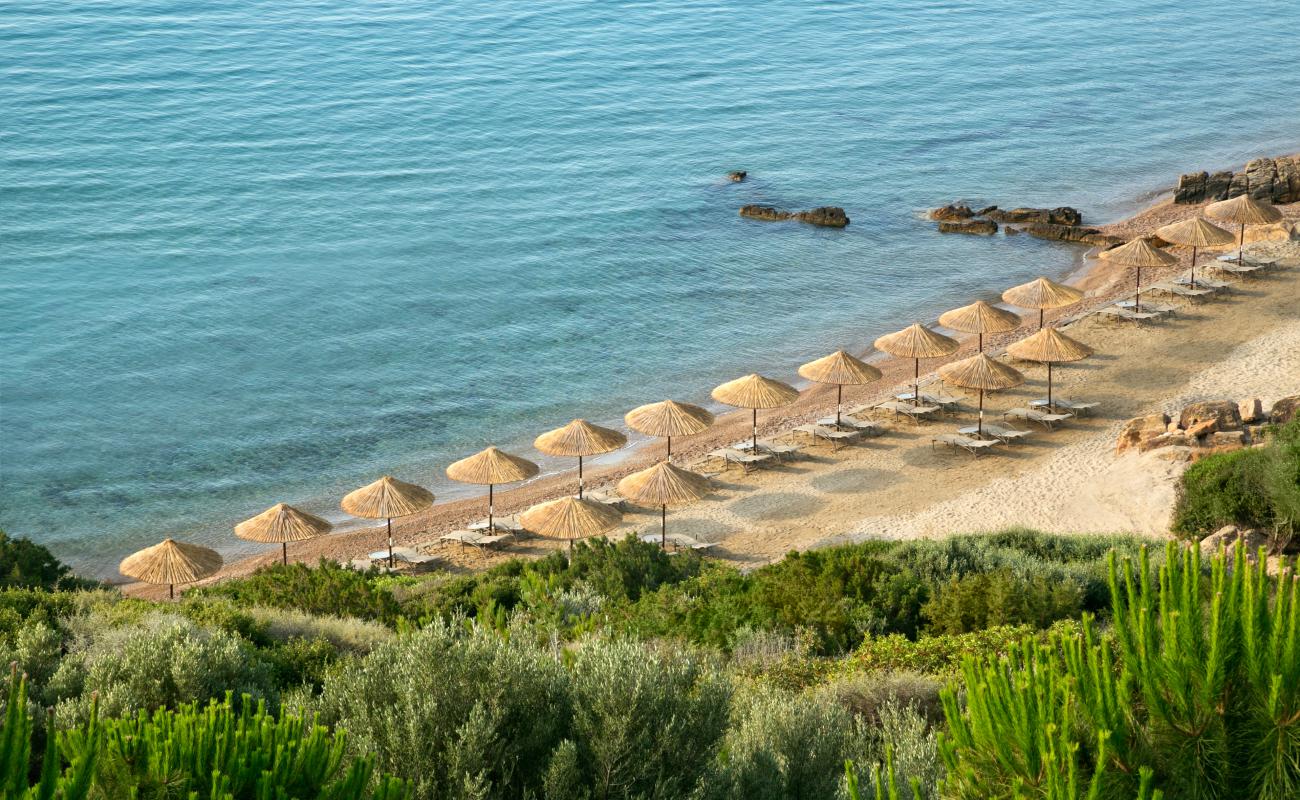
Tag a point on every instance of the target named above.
point(254, 251)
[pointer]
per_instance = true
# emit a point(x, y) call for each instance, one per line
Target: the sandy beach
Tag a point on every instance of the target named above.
point(1238, 345)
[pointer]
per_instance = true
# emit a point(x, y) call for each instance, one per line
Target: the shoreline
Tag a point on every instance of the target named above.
point(1097, 278)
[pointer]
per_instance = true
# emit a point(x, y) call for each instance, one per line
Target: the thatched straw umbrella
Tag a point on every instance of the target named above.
point(841, 369)
point(1137, 254)
point(664, 485)
point(917, 342)
point(1243, 210)
point(490, 467)
point(171, 562)
point(1042, 294)
point(282, 523)
point(1049, 347)
point(669, 418)
point(981, 318)
point(754, 392)
point(570, 518)
point(387, 499)
point(982, 373)
point(1194, 233)
point(579, 438)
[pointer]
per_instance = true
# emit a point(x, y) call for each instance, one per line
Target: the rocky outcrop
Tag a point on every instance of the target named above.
point(1141, 429)
point(952, 212)
point(1228, 536)
point(981, 227)
point(1224, 413)
point(825, 216)
point(737, 176)
point(1284, 410)
point(1064, 215)
point(1276, 180)
point(1071, 233)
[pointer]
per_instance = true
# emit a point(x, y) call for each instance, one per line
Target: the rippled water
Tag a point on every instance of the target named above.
point(261, 251)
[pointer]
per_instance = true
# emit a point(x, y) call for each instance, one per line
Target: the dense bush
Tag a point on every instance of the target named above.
point(1201, 692)
point(27, 565)
point(1251, 488)
point(212, 753)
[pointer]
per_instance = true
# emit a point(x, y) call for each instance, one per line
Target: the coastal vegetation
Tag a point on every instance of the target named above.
point(1013, 664)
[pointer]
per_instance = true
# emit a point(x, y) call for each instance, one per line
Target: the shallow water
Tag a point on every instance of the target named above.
point(262, 251)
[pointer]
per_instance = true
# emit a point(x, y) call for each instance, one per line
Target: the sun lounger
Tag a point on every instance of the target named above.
point(1041, 417)
point(504, 524)
point(1127, 314)
point(999, 432)
point(781, 451)
point(972, 446)
point(1244, 269)
point(606, 497)
point(678, 541)
point(1248, 260)
point(1147, 308)
point(1203, 283)
point(851, 423)
point(747, 461)
point(1060, 404)
point(475, 538)
point(1166, 287)
point(833, 435)
point(915, 413)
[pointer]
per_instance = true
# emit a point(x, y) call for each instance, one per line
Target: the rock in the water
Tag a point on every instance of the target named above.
point(981, 227)
point(985, 211)
point(1139, 430)
point(952, 212)
point(1071, 233)
point(827, 216)
point(1064, 215)
point(1223, 412)
point(1191, 187)
point(1284, 410)
point(737, 176)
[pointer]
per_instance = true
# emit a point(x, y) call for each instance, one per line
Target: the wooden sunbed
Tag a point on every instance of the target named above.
point(475, 538)
point(972, 446)
point(678, 541)
point(747, 461)
point(999, 432)
point(1127, 315)
point(852, 423)
point(835, 436)
point(1032, 415)
point(1078, 409)
point(912, 412)
point(1169, 287)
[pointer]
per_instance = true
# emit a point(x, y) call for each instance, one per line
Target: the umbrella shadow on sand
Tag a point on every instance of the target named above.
point(853, 480)
point(776, 506)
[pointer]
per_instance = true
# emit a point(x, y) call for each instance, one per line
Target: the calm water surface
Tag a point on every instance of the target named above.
point(261, 251)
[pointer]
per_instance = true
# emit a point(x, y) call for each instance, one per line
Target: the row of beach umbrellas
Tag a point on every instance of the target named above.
point(665, 485)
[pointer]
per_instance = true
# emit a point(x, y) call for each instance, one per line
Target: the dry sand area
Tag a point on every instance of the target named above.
point(1238, 345)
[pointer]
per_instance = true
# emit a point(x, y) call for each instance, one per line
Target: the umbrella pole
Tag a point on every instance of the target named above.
point(1193, 266)
point(579, 477)
point(1241, 244)
point(670, 449)
point(171, 591)
point(979, 427)
point(756, 430)
point(981, 341)
point(1049, 386)
point(284, 553)
point(663, 526)
point(390, 542)
point(1040, 318)
point(916, 385)
point(1137, 291)
point(491, 528)
point(839, 402)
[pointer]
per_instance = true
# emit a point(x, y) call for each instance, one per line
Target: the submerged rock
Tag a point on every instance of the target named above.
point(980, 227)
point(1063, 215)
point(1071, 233)
point(737, 176)
point(825, 216)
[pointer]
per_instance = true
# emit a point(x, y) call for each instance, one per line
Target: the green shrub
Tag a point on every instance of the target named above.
point(16, 754)
point(27, 565)
point(455, 711)
point(992, 599)
point(324, 590)
point(162, 661)
point(1251, 488)
point(782, 746)
point(1201, 691)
